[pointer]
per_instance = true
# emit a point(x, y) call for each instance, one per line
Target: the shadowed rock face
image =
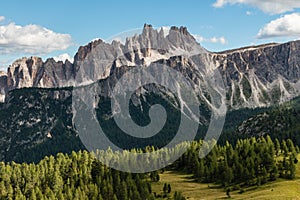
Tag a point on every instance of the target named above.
point(253, 76)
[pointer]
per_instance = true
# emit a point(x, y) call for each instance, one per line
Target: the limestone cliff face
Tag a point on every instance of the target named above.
point(261, 75)
point(253, 76)
point(23, 73)
point(33, 72)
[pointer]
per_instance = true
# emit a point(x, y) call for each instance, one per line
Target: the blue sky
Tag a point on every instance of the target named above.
point(52, 28)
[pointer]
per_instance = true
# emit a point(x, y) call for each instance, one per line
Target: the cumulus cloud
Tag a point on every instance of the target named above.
point(220, 40)
point(285, 26)
point(268, 6)
point(63, 57)
point(2, 18)
point(31, 39)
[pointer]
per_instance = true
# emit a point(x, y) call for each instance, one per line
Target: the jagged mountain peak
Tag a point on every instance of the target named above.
point(84, 50)
point(176, 37)
point(25, 59)
point(150, 38)
point(140, 49)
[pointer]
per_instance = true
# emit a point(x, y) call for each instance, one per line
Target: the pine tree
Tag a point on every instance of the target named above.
point(178, 196)
point(33, 195)
point(292, 167)
point(169, 189)
point(123, 191)
point(264, 175)
point(274, 173)
point(290, 146)
point(277, 147)
point(3, 192)
point(165, 188)
point(284, 148)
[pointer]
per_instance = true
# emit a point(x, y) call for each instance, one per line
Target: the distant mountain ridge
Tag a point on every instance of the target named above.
point(254, 76)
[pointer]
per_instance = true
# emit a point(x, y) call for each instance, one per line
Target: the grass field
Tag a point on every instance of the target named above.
point(280, 189)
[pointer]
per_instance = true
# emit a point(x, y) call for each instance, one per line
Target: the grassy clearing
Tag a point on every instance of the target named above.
point(280, 189)
point(189, 188)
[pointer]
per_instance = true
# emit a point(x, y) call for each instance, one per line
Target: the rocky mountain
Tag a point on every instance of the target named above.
point(36, 113)
point(253, 76)
point(261, 75)
point(33, 72)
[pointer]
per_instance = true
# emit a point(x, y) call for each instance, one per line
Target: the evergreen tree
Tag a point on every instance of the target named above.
point(169, 189)
point(178, 196)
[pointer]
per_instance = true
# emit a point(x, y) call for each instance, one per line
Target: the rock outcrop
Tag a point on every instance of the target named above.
point(261, 75)
point(33, 72)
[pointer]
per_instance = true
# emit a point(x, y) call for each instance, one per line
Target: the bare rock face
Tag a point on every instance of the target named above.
point(95, 61)
point(55, 74)
point(253, 76)
point(261, 75)
point(3, 85)
point(33, 72)
point(23, 72)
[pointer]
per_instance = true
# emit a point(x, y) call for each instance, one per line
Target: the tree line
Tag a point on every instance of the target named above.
point(80, 175)
point(76, 176)
point(252, 161)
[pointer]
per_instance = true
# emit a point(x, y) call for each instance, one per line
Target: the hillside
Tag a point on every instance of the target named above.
point(279, 122)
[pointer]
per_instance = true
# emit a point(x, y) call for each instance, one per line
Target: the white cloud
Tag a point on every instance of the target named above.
point(2, 18)
point(268, 6)
point(63, 57)
point(220, 3)
point(199, 38)
point(285, 26)
point(31, 39)
point(220, 40)
point(249, 13)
